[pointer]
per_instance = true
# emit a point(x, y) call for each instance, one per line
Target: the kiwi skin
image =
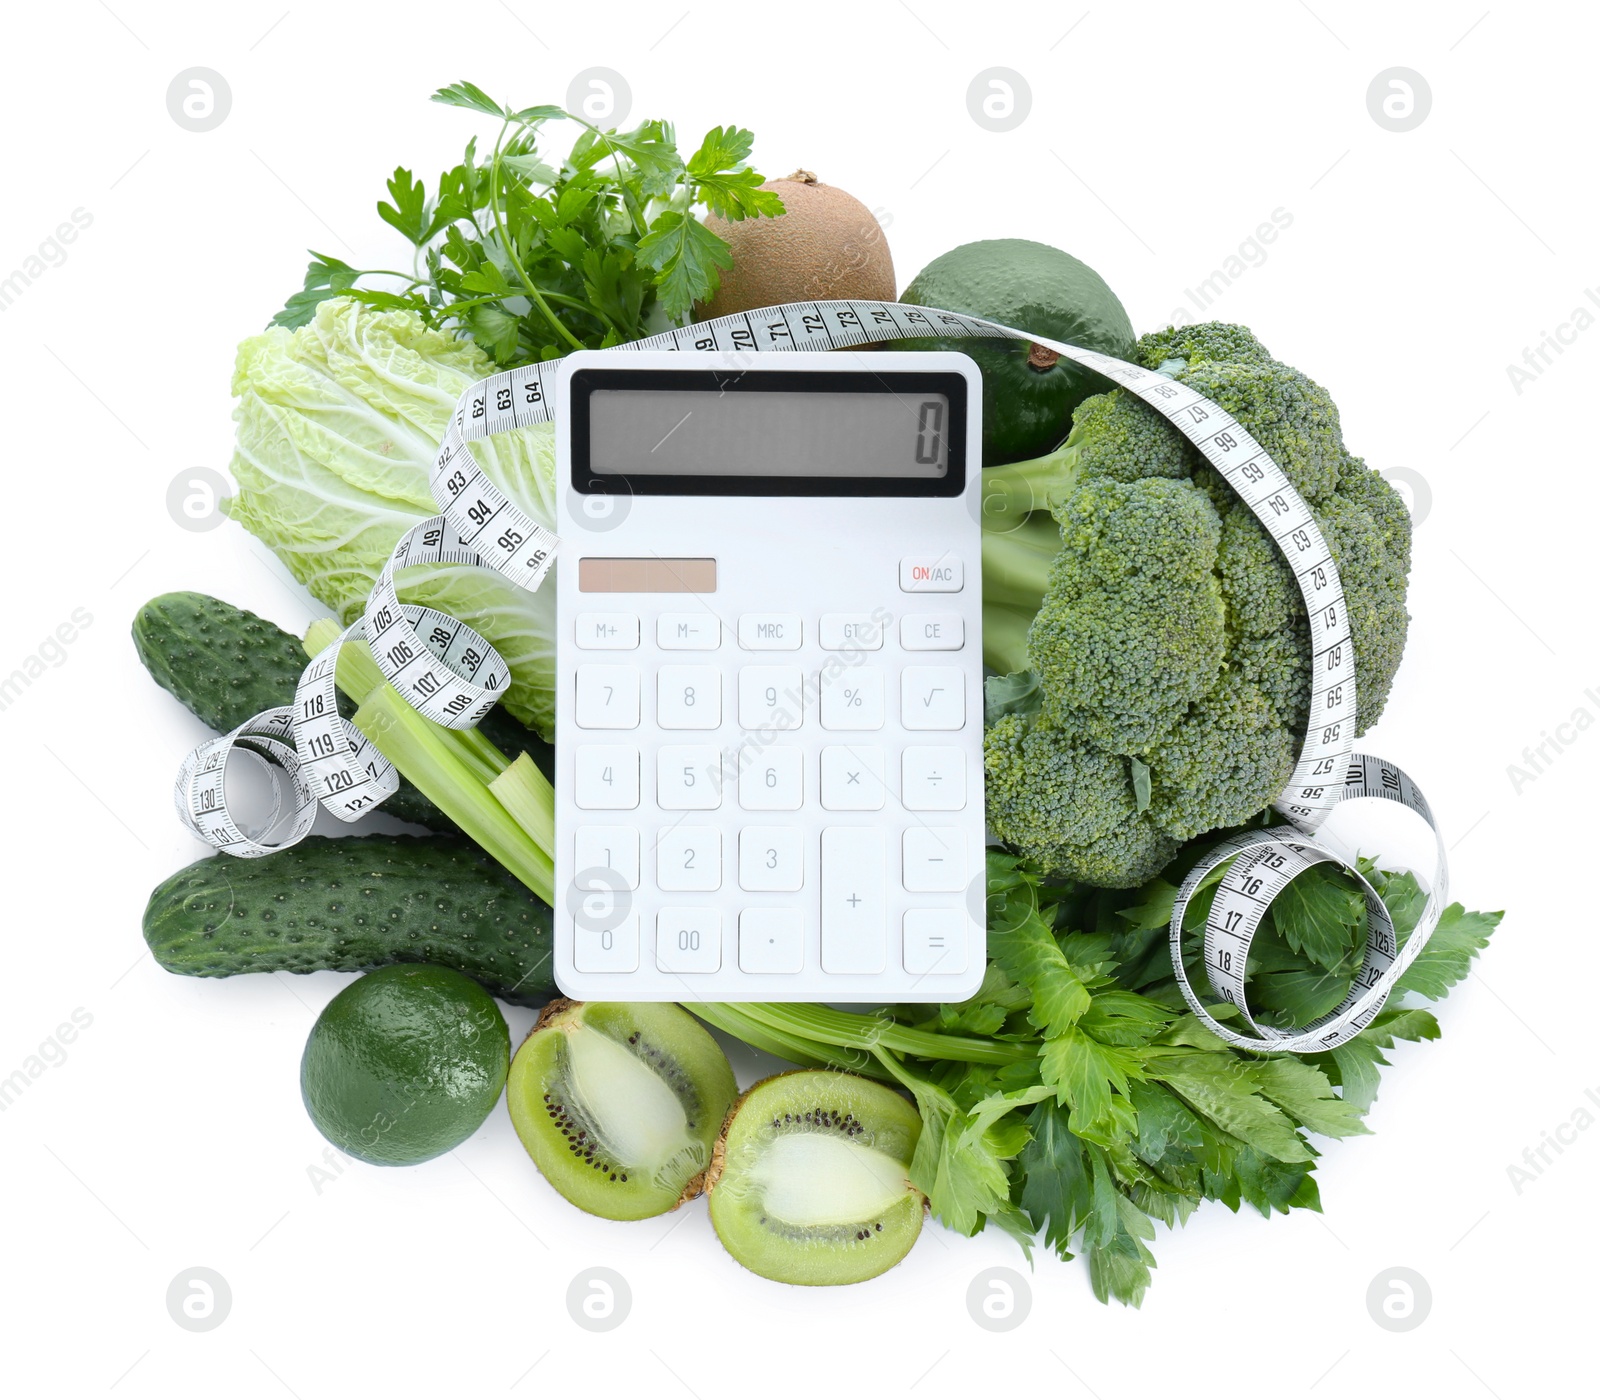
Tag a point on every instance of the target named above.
point(829, 1103)
point(566, 1138)
point(825, 246)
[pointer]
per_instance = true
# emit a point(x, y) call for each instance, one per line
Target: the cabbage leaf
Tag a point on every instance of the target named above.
point(338, 422)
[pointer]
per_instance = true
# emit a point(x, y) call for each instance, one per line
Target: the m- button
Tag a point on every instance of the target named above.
point(930, 574)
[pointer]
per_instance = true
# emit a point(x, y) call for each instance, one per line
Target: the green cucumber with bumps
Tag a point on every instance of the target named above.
point(226, 664)
point(353, 903)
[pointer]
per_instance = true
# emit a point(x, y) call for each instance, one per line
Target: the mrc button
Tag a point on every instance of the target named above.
point(769, 631)
point(930, 574)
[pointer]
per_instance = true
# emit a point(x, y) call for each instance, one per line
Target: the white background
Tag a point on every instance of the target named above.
point(1417, 266)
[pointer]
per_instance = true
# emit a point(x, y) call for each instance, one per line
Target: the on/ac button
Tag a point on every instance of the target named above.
point(940, 573)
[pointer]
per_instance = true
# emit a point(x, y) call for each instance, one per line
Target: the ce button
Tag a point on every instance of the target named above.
point(931, 632)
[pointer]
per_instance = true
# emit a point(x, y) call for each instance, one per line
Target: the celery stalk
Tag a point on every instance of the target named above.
point(358, 676)
point(784, 1043)
point(526, 793)
point(845, 1030)
point(431, 757)
point(458, 769)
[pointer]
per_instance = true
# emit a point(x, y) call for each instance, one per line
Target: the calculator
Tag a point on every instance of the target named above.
point(769, 705)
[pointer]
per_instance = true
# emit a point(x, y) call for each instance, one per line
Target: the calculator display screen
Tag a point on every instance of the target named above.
point(666, 432)
point(768, 432)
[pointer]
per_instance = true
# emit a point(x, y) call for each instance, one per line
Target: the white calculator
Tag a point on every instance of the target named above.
point(769, 706)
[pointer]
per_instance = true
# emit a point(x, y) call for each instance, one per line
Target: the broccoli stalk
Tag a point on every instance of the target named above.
point(1020, 542)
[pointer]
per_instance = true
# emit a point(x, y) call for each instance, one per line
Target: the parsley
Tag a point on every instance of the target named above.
point(533, 255)
point(1075, 1102)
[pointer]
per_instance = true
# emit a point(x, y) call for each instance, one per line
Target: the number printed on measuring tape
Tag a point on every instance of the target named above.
point(453, 676)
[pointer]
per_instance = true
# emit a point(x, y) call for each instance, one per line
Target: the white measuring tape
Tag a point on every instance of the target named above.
point(453, 676)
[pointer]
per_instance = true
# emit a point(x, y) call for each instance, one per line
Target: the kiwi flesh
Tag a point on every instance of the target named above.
point(811, 1179)
point(619, 1104)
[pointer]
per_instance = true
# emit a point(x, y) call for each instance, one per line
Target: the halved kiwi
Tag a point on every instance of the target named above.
point(811, 1179)
point(619, 1104)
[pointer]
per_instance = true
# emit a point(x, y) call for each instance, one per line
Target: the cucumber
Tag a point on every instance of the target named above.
point(353, 903)
point(226, 664)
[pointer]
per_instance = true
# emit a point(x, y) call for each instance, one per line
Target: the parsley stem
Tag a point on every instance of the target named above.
point(509, 248)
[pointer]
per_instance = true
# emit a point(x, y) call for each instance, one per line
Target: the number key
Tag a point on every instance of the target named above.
point(770, 697)
point(771, 779)
point(688, 940)
point(689, 858)
point(608, 697)
point(771, 858)
point(608, 848)
point(607, 777)
point(689, 697)
point(688, 778)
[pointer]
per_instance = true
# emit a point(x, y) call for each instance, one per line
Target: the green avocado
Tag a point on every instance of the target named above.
point(405, 1064)
point(1030, 287)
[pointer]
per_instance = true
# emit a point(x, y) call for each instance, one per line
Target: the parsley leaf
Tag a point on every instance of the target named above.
point(533, 253)
point(409, 213)
point(685, 256)
point(1448, 956)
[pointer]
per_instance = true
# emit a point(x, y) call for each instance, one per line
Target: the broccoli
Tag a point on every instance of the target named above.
point(1163, 637)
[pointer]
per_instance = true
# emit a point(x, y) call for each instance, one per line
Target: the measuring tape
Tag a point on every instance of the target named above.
point(453, 676)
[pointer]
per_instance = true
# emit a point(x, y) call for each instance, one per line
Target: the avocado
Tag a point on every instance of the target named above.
point(1027, 407)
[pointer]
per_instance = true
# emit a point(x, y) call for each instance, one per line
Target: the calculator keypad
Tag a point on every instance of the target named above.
point(613, 848)
point(607, 631)
point(855, 918)
point(763, 741)
point(770, 632)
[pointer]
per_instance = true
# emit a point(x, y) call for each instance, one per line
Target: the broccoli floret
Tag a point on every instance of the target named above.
point(1170, 641)
point(1068, 803)
point(1221, 764)
point(1131, 631)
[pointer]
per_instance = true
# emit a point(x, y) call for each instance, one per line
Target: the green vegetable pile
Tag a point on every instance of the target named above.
point(1151, 690)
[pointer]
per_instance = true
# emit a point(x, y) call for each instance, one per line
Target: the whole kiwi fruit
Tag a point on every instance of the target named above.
point(825, 246)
